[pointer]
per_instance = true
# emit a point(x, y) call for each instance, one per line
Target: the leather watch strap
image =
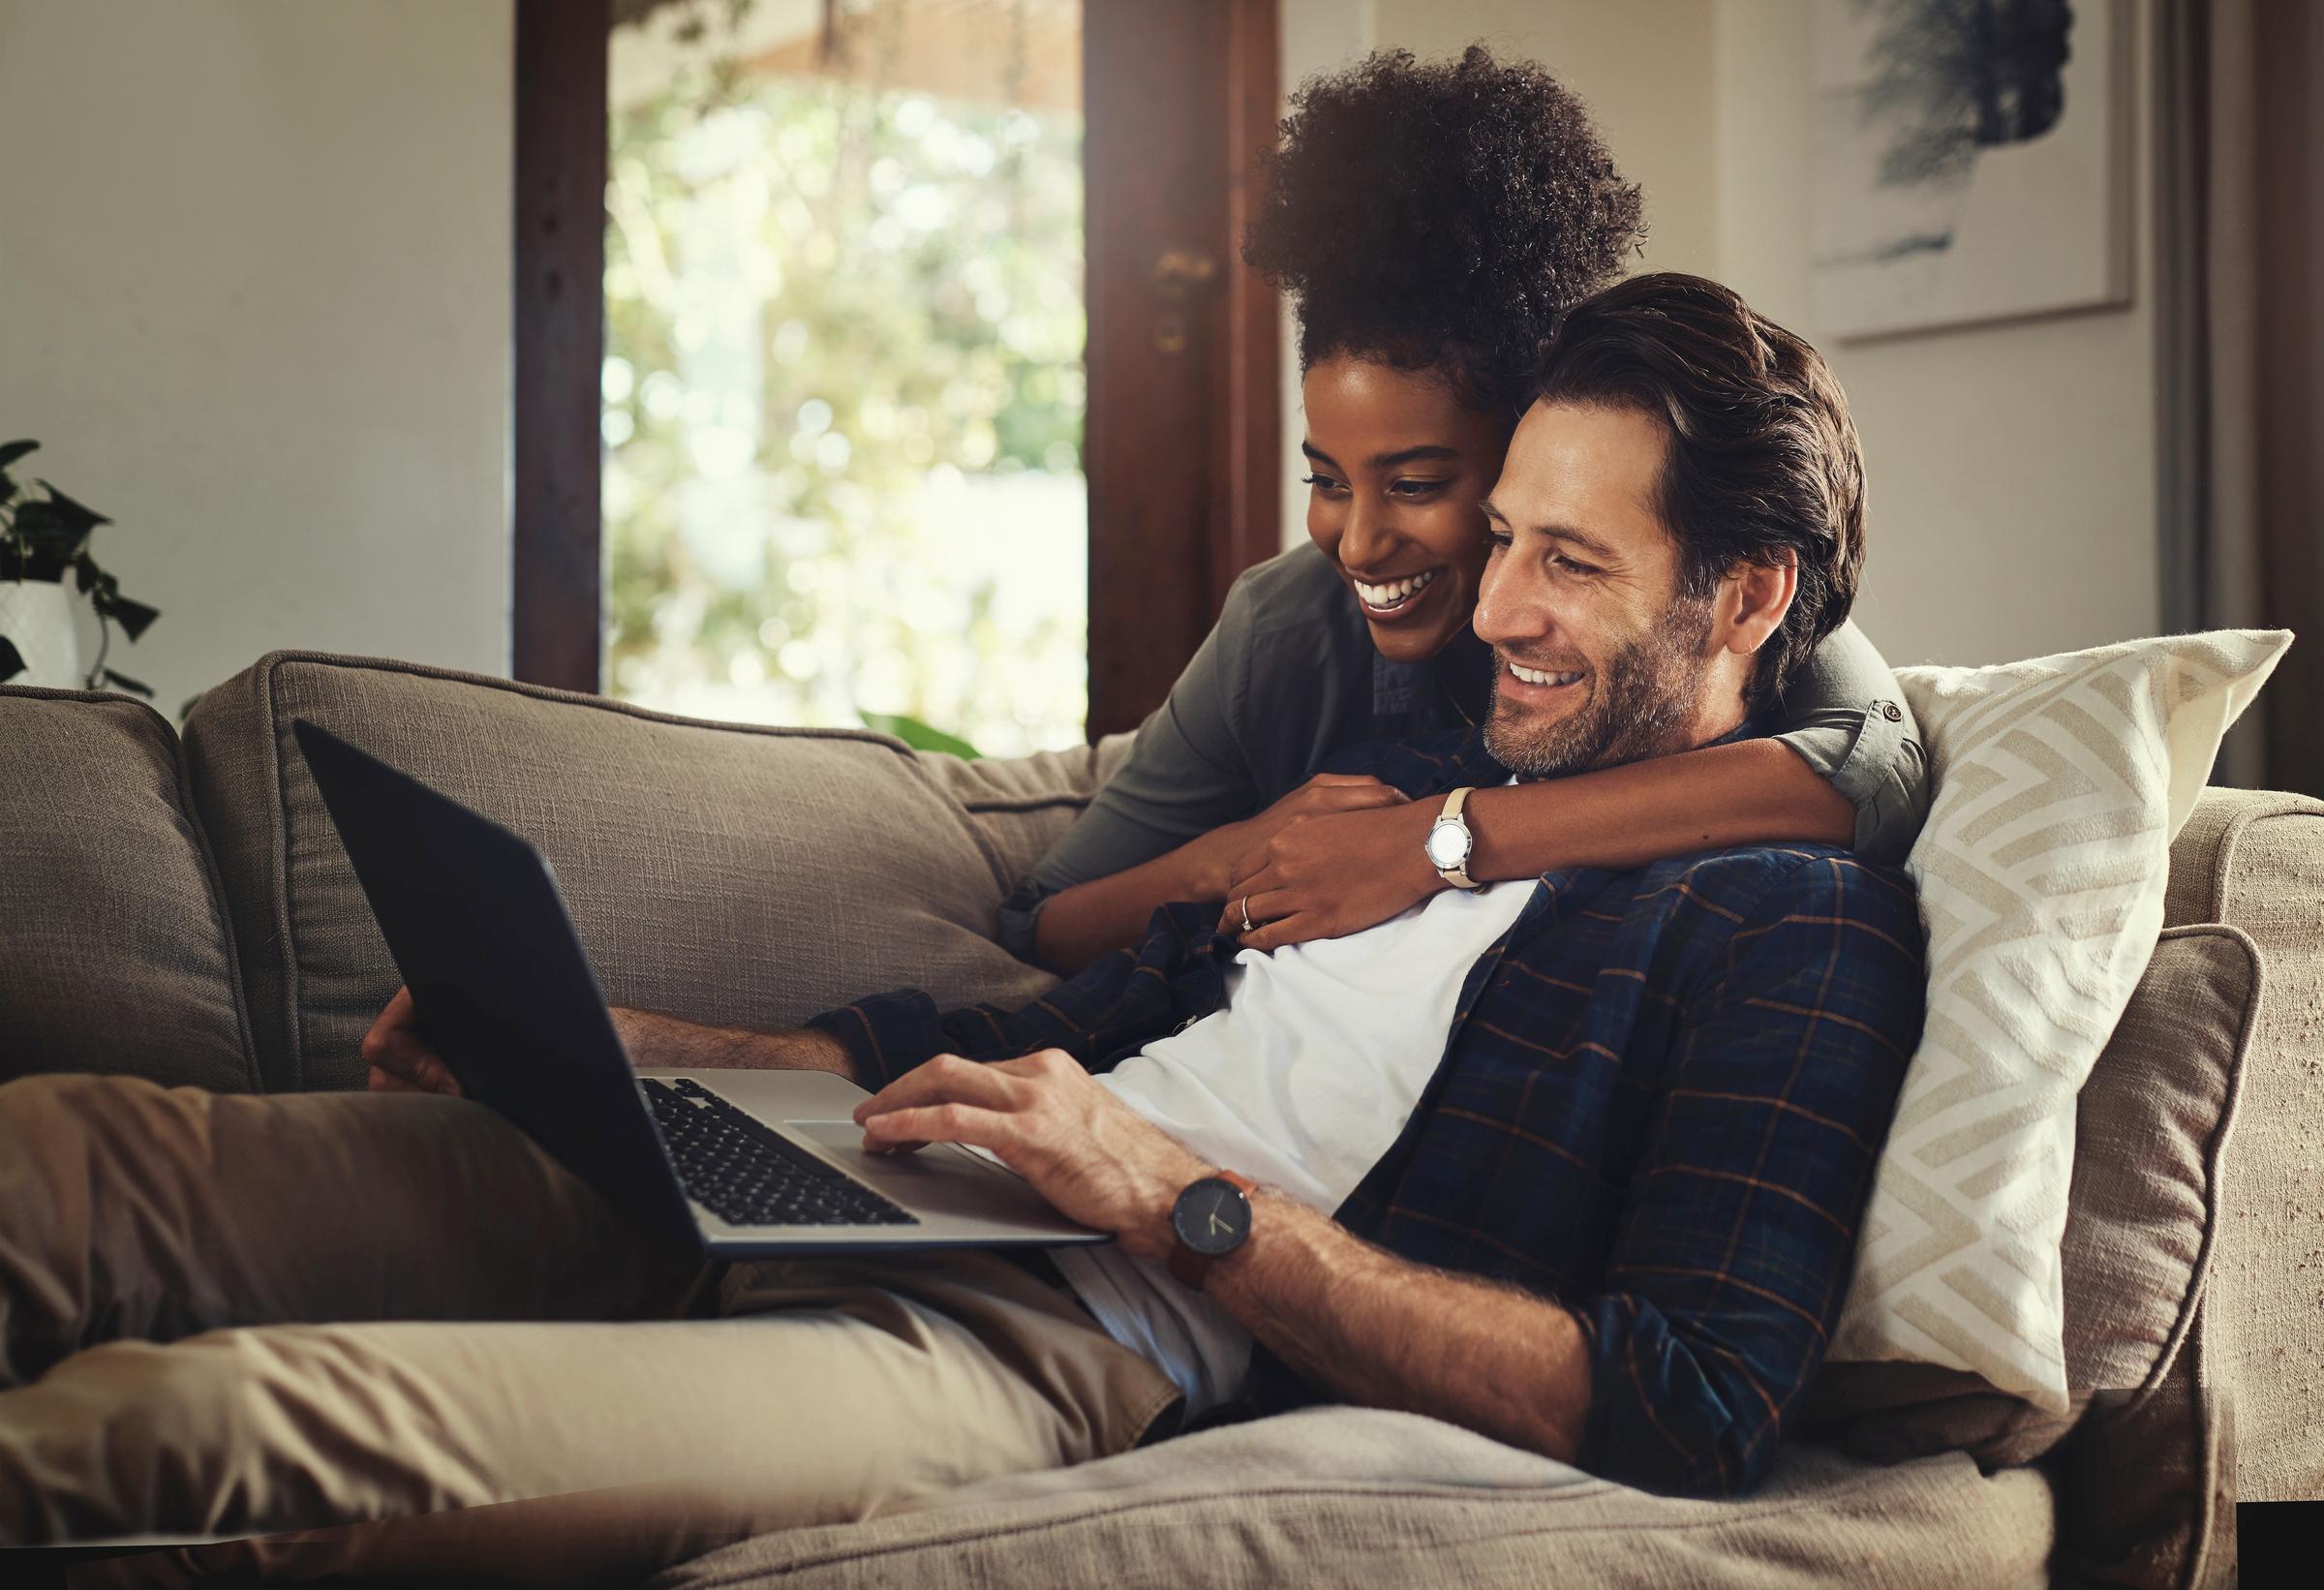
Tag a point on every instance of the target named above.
point(1189, 1267)
point(1459, 876)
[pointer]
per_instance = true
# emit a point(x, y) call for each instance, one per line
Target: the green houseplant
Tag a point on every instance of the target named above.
point(42, 538)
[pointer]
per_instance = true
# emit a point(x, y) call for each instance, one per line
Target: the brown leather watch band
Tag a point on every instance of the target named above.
point(1189, 1267)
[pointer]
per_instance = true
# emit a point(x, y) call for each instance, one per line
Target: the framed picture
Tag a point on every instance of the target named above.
point(1971, 161)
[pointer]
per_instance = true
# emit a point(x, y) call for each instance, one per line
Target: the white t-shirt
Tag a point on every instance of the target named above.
point(1302, 1082)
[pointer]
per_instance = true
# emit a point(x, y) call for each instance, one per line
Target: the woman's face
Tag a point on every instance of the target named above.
point(1397, 467)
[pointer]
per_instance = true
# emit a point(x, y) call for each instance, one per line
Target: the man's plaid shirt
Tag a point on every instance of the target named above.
point(1659, 1106)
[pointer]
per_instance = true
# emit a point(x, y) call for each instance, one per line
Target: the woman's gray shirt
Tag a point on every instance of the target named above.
point(1289, 674)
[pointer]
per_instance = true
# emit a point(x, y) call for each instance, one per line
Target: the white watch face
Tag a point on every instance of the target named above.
point(1447, 844)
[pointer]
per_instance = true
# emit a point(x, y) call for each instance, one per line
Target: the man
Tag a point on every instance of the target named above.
point(1577, 1163)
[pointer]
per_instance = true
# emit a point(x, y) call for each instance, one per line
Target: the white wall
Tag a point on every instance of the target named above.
point(2012, 467)
point(255, 278)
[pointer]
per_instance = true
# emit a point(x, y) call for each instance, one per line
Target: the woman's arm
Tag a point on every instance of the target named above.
point(1847, 718)
point(1340, 874)
point(1834, 774)
point(1078, 925)
point(1174, 819)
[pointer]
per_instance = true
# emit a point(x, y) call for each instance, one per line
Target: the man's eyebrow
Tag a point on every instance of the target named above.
point(1564, 533)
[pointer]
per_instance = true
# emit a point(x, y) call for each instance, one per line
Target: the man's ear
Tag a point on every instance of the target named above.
point(1752, 601)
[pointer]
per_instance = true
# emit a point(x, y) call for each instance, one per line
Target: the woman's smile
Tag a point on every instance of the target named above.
point(1391, 601)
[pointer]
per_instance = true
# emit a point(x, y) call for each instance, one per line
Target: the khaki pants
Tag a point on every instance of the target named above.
point(176, 1266)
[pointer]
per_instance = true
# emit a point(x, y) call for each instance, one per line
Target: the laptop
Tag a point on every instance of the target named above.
point(739, 1163)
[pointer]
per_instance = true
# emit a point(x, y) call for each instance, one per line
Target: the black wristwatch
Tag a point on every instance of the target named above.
point(1211, 1219)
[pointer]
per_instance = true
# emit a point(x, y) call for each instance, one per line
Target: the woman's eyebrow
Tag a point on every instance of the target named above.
point(1413, 455)
point(1432, 451)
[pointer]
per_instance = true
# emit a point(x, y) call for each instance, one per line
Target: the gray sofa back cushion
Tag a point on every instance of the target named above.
point(1022, 805)
point(734, 874)
point(115, 954)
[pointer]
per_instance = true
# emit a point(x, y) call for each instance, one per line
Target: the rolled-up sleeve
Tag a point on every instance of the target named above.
point(1734, 1245)
point(1847, 718)
point(1114, 1006)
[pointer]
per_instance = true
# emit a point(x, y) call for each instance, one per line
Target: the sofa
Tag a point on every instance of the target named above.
point(181, 910)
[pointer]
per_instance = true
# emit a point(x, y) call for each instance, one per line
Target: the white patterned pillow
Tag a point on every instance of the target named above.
point(2060, 784)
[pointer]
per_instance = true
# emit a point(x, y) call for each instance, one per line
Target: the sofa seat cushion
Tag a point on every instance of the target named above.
point(115, 952)
point(734, 874)
point(1362, 1497)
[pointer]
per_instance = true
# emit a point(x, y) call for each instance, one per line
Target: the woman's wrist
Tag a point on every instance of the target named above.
point(1205, 867)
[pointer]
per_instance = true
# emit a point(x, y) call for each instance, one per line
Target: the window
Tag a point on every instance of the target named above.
point(843, 389)
point(746, 536)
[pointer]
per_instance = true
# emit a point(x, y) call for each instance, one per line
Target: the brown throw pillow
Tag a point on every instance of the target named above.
point(2150, 1126)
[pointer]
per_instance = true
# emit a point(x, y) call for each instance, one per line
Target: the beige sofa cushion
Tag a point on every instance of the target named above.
point(115, 954)
point(1361, 1497)
point(729, 873)
point(2149, 1127)
point(1022, 805)
point(2255, 859)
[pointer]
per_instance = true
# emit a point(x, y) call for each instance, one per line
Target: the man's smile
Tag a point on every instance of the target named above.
point(1537, 683)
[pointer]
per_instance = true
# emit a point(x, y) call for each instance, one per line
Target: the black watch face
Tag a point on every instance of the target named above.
point(1212, 1216)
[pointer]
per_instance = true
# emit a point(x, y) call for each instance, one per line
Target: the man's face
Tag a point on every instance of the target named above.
point(1599, 657)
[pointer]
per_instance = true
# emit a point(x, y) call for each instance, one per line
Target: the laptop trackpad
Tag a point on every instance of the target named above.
point(939, 1163)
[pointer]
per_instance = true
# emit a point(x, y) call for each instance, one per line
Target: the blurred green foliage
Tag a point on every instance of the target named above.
point(844, 332)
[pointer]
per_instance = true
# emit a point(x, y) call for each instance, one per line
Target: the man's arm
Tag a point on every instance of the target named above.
point(658, 1042)
point(1112, 1005)
point(1739, 1221)
point(1734, 1245)
point(1377, 1328)
point(1386, 1332)
point(403, 1061)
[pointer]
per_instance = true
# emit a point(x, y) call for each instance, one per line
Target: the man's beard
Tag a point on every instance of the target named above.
point(1642, 701)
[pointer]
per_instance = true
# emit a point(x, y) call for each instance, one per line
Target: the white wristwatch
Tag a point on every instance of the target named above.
point(1449, 842)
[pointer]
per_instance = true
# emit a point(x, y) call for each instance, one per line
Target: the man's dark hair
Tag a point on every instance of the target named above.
point(1437, 216)
point(1763, 465)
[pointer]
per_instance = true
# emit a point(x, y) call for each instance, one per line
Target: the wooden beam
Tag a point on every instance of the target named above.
point(1184, 440)
point(558, 327)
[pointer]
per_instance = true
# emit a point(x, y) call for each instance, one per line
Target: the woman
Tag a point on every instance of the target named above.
point(1429, 221)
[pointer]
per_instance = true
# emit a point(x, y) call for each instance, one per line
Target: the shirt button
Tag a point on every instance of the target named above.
point(1892, 711)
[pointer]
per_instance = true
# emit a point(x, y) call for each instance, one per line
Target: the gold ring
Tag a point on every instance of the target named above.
point(1247, 913)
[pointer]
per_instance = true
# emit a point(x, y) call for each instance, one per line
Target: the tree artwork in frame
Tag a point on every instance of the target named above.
point(1971, 161)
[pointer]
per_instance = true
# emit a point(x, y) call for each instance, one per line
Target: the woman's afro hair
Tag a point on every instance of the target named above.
point(1438, 215)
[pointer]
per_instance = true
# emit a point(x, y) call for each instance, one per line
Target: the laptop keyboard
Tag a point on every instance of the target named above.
point(748, 1175)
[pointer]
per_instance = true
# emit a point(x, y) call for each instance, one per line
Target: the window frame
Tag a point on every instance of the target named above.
point(1183, 433)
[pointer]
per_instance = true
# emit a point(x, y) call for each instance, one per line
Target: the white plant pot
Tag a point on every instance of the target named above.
point(42, 617)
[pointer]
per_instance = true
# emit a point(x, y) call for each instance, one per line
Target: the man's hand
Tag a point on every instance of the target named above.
point(401, 1058)
point(1333, 876)
point(1095, 1159)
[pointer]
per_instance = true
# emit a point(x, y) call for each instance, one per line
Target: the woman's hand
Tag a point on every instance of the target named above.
point(1222, 852)
point(1333, 876)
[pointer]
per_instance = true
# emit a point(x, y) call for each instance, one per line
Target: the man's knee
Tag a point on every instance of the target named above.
point(231, 1432)
point(67, 1111)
